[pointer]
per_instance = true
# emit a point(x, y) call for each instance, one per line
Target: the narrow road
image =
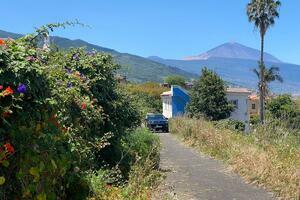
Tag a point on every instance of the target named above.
point(191, 175)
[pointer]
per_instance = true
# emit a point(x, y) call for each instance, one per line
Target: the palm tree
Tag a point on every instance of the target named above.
point(263, 14)
point(270, 75)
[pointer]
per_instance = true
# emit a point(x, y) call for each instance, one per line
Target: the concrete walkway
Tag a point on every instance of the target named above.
point(192, 175)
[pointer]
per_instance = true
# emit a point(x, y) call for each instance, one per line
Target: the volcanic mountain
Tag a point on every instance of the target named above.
point(235, 62)
point(233, 50)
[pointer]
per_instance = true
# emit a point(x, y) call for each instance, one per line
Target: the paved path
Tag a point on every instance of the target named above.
point(195, 176)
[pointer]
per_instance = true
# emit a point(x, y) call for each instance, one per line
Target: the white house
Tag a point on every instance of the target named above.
point(239, 97)
point(175, 101)
point(167, 104)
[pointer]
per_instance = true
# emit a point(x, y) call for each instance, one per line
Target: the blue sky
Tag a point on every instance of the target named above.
point(165, 28)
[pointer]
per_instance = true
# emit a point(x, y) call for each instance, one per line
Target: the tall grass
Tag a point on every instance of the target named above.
point(268, 157)
point(141, 149)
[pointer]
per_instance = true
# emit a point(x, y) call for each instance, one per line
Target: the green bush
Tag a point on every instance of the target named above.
point(254, 119)
point(140, 145)
point(146, 96)
point(231, 124)
point(133, 147)
point(283, 109)
point(58, 111)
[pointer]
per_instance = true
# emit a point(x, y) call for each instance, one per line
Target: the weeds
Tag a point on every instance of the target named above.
point(143, 177)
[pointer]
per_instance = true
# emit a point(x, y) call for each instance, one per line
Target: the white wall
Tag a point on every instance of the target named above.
point(167, 106)
point(241, 112)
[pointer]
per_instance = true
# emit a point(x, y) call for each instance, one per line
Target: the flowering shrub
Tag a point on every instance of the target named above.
point(59, 109)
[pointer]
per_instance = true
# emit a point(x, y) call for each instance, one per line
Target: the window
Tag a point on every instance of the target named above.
point(235, 103)
point(253, 106)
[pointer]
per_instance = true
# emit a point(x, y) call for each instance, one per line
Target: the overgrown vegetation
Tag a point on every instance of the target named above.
point(269, 156)
point(231, 124)
point(140, 153)
point(146, 96)
point(63, 119)
point(283, 109)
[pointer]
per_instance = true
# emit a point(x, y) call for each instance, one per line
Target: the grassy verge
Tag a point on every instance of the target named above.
point(141, 151)
point(268, 157)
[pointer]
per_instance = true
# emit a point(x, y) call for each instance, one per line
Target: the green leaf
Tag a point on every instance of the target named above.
point(2, 180)
point(42, 166)
point(42, 196)
point(34, 171)
point(53, 164)
point(5, 163)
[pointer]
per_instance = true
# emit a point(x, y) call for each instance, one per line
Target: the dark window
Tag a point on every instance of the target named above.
point(253, 106)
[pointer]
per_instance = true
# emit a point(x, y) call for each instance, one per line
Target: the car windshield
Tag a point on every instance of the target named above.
point(156, 117)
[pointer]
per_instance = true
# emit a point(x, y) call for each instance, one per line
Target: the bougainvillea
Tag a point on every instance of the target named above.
point(58, 110)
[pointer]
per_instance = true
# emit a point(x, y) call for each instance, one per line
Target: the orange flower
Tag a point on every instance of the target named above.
point(2, 42)
point(9, 148)
point(8, 91)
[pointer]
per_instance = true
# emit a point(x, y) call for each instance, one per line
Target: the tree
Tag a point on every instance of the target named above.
point(175, 80)
point(282, 107)
point(263, 14)
point(270, 75)
point(208, 97)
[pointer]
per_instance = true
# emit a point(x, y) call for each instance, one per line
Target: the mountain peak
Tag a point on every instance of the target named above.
point(233, 50)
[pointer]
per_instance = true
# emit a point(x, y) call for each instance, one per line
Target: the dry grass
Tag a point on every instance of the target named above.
point(270, 162)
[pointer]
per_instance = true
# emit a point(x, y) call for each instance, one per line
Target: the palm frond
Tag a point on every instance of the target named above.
point(257, 73)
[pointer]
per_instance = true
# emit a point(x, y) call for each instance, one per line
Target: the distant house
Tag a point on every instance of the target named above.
point(253, 104)
point(239, 97)
point(189, 85)
point(175, 101)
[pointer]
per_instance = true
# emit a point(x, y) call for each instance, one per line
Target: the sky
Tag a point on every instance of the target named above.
point(164, 28)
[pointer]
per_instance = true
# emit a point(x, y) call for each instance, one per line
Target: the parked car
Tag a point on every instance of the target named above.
point(157, 122)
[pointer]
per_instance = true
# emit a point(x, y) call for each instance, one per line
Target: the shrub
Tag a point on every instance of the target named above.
point(283, 109)
point(282, 106)
point(231, 124)
point(254, 120)
point(146, 96)
point(59, 109)
point(140, 145)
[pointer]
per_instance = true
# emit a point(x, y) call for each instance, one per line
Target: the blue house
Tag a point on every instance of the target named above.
point(175, 101)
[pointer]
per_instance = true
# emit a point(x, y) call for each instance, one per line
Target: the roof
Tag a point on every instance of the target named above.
point(168, 93)
point(253, 97)
point(238, 90)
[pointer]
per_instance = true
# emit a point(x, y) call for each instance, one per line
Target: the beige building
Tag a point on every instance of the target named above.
point(253, 104)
